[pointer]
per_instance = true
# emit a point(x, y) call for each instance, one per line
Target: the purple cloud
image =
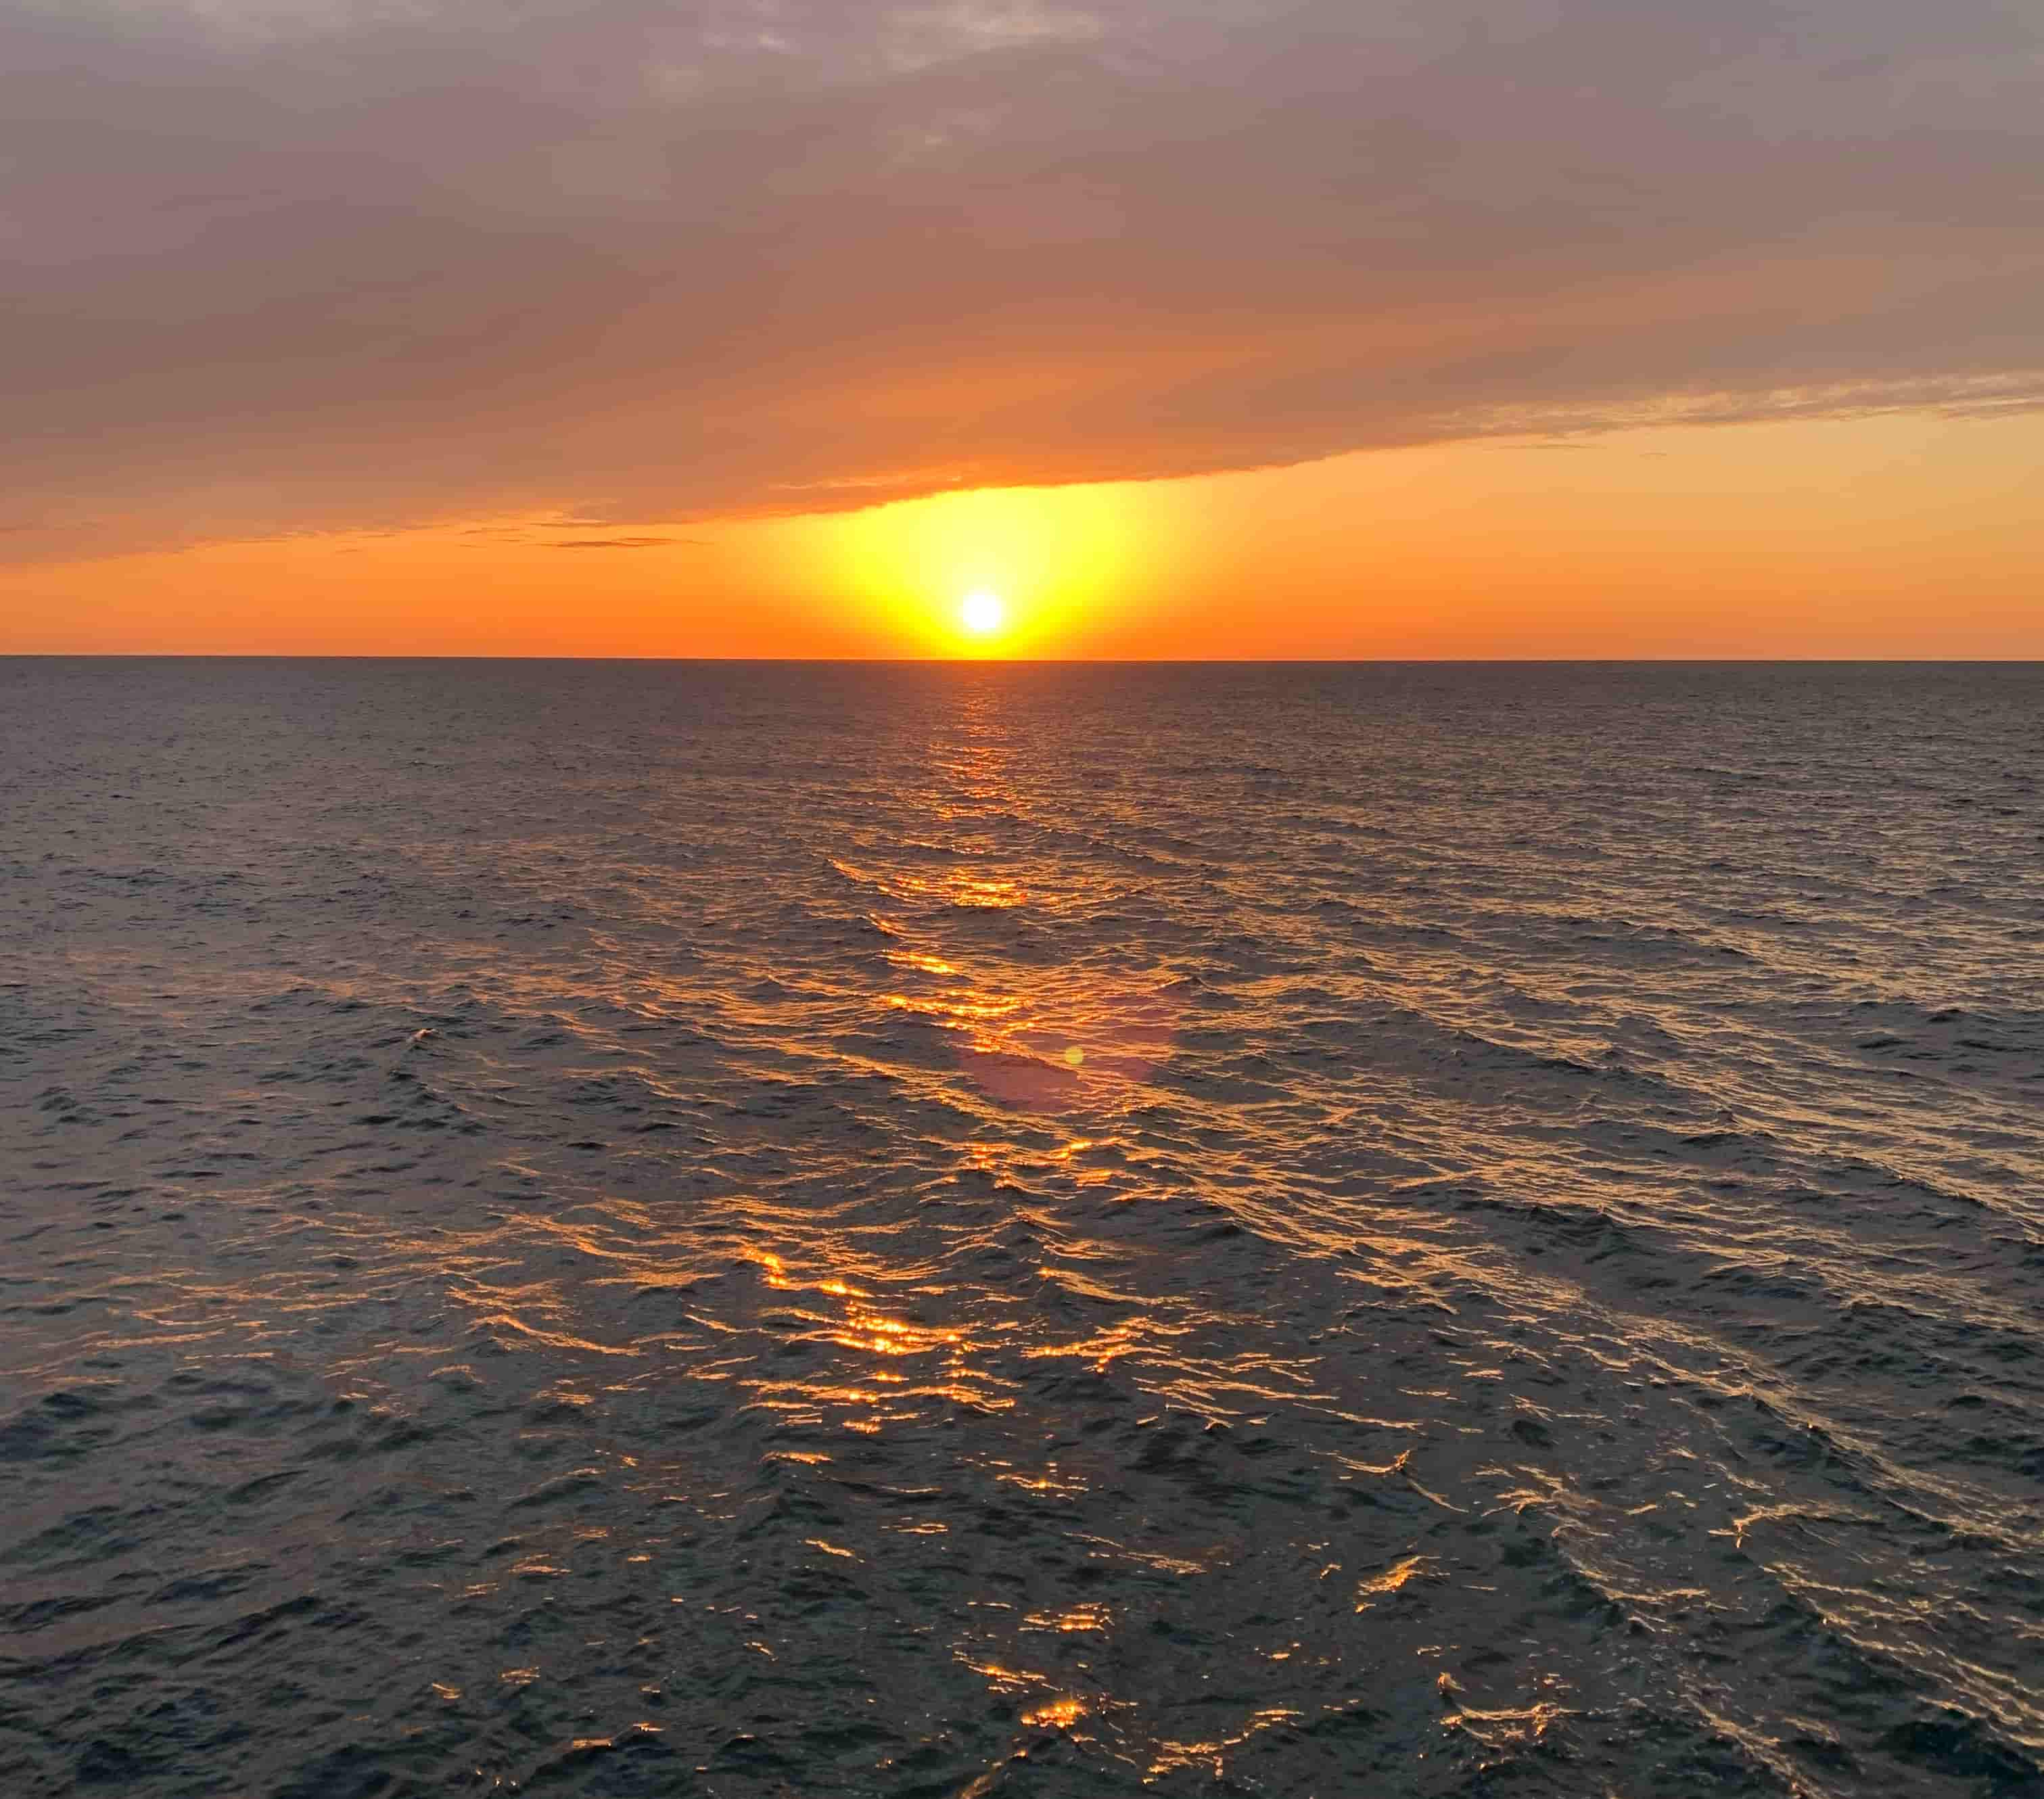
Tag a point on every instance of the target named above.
point(288, 264)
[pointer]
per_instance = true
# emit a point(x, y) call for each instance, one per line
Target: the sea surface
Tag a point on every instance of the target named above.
point(763, 1230)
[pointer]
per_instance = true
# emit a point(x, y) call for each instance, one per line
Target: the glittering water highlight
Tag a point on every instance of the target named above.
point(634, 1229)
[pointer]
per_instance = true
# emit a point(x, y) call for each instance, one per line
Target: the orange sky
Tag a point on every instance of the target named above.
point(1190, 327)
point(1909, 535)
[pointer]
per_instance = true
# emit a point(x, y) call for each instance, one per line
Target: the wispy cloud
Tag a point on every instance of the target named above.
point(618, 543)
point(291, 265)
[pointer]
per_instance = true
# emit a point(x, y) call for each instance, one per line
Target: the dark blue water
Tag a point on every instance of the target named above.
point(648, 1229)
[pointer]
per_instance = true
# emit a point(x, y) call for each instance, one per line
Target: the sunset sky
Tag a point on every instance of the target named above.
point(1212, 327)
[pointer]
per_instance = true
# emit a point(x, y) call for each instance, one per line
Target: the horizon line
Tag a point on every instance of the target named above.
point(1036, 662)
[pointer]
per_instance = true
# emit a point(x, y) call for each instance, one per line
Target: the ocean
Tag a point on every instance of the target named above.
point(994, 1230)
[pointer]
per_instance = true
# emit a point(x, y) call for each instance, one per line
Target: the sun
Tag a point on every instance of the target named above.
point(981, 613)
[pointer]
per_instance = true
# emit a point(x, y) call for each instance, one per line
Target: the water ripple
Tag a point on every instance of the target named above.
point(629, 1229)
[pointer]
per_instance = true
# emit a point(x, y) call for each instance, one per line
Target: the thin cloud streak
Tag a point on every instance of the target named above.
point(619, 542)
point(292, 265)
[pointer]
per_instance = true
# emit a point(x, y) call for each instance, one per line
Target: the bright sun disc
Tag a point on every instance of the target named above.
point(981, 612)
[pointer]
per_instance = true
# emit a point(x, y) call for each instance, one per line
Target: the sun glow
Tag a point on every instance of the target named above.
point(1058, 565)
point(981, 613)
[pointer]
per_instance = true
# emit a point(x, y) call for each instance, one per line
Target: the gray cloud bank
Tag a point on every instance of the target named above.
point(278, 265)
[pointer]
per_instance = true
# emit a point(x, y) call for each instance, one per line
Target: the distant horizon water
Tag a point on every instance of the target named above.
point(991, 660)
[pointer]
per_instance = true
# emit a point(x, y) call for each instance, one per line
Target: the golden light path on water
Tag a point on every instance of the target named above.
point(985, 1229)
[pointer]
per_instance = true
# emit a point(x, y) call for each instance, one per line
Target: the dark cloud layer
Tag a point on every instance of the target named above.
point(283, 264)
